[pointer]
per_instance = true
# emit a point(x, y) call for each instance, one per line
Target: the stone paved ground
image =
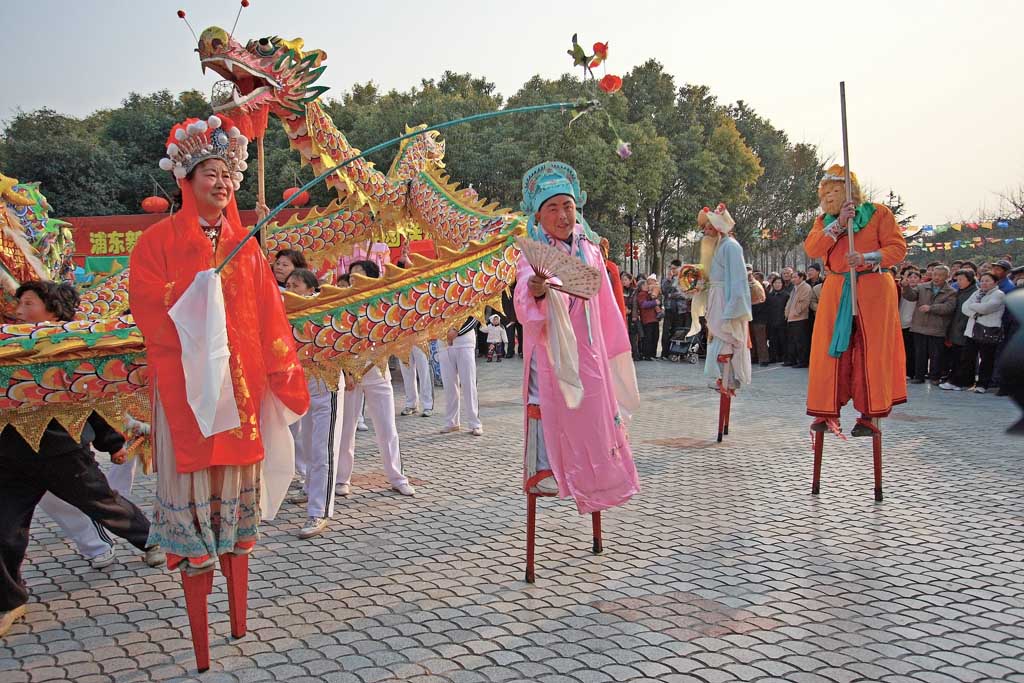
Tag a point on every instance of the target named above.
point(723, 569)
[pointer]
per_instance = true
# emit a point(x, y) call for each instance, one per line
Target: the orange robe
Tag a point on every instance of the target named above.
point(873, 370)
point(164, 262)
point(616, 280)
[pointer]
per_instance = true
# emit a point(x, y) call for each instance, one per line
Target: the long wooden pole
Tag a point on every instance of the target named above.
point(849, 196)
point(261, 187)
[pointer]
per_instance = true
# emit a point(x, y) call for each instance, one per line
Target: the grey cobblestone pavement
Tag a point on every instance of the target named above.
point(724, 568)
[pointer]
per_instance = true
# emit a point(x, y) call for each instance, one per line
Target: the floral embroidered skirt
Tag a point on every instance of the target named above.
point(198, 516)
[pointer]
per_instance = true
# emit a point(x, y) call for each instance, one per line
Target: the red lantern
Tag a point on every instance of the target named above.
point(155, 204)
point(301, 200)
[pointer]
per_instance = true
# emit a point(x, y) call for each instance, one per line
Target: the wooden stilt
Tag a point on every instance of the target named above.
point(722, 403)
point(197, 588)
point(728, 410)
point(236, 570)
point(595, 519)
point(531, 533)
point(819, 446)
point(876, 448)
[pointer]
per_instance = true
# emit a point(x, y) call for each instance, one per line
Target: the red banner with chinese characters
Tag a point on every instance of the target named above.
point(117, 235)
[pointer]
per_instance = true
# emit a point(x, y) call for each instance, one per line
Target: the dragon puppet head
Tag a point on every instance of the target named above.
point(270, 74)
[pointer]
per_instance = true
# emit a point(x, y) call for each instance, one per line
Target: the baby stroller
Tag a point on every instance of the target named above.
point(683, 346)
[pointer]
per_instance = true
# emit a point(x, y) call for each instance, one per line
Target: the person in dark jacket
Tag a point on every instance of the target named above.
point(512, 325)
point(629, 292)
point(935, 301)
point(649, 303)
point(759, 319)
point(62, 465)
point(963, 363)
point(775, 312)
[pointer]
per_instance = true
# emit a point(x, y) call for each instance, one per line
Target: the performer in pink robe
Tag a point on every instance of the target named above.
point(585, 445)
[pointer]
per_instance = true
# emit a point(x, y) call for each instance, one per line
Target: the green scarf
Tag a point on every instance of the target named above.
point(861, 216)
point(843, 328)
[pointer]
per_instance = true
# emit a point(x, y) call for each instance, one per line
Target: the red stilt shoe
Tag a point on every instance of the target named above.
point(197, 588)
point(235, 568)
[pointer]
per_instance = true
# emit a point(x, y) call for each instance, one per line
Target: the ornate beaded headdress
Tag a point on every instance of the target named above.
point(193, 141)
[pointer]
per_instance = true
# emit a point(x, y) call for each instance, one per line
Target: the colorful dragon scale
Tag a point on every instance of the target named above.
point(98, 362)
point(32, 245)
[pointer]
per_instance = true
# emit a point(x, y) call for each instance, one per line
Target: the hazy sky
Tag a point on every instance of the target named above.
point(934, 88)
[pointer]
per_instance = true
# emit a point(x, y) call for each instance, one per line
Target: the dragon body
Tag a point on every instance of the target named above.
point(97, 362)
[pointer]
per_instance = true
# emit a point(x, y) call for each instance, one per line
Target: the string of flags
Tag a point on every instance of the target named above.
point(915, 230)
point(967, 244)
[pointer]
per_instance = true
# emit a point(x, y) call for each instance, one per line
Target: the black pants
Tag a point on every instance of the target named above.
point(928, 356)
point(669, 325)
point(636, 343)
point(986, 362)
point(515, 339)
point(650, 340)
point(74, 477)
point(967, 364)
point(908, 350)
point(777, 343)
point(798, 338)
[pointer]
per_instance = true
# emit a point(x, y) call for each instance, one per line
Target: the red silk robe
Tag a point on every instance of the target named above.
point(163, 264)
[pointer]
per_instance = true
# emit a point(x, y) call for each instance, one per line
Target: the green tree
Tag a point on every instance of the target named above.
point(895, 204)
point(782, 203)
point(79, 172)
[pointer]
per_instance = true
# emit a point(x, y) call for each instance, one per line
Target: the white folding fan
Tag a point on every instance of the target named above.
point(577, 278)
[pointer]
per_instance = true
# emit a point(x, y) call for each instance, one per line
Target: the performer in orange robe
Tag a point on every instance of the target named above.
point(208, 488)
point(615, 276)
point(855, 357)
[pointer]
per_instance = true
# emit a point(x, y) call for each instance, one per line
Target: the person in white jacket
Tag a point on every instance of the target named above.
point(497, 338)
point(984, 311)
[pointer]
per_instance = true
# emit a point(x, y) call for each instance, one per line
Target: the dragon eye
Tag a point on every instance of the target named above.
point(264, 47)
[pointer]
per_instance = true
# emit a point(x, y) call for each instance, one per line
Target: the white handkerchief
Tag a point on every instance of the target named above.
point(202, 329)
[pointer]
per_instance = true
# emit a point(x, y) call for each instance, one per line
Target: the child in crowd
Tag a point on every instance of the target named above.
point(497, 339)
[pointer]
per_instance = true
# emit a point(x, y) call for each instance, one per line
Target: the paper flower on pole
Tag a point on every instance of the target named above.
point(623, 150)
point(610, 84)
point(600, 54)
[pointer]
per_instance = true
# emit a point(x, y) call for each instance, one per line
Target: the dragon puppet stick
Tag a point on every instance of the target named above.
point(849, 196)
point(580, 107)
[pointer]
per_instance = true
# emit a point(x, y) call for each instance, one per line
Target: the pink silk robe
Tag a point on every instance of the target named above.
point(587, 447)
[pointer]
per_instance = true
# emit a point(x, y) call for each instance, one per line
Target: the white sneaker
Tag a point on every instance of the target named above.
point(946, 386)
point(427, 413)
point(314, 527)
point(361, 427)
point(477, 431)
point(154, 556)
point(979, 390)
point(104, 559)
point(405, 489)
point(406, 412)
point(8, 618)
point(343, 490)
